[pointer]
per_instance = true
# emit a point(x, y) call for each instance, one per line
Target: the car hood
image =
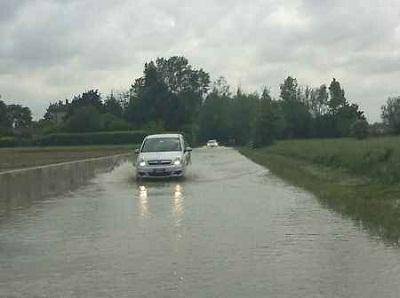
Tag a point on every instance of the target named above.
point(160, 155)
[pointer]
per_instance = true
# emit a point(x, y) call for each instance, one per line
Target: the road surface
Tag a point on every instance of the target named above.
point(231, 229)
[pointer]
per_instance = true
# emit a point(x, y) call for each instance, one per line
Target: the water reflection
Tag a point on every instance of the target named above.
point(178, 203)
point(143, 201)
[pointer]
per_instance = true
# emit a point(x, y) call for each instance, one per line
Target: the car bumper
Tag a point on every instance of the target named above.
point(160, 172)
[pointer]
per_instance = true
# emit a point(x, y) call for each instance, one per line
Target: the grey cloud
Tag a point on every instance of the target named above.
point(52, 49)
point(10, 8)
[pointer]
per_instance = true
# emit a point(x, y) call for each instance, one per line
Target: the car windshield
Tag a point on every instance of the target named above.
point(161, 145)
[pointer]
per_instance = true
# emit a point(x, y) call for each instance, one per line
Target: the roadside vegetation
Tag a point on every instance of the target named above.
point(374, 158)
point(360, 179)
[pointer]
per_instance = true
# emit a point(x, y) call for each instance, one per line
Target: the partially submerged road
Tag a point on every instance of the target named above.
point(230, 229)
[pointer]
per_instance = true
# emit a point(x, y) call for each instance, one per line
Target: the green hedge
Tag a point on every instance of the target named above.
point(14, 142)
point(8, 142)
point(96, 138)
point(76, 139)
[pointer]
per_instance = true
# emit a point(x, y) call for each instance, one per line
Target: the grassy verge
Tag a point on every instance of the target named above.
point(16, 158)
point(372, 200)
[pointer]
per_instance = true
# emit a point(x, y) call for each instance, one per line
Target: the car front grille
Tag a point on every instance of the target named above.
point(163, 162)
point(159, 174)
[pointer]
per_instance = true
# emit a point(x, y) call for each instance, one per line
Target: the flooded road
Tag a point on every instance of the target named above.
point(230, 229)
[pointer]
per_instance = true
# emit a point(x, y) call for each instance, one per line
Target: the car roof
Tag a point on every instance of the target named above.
point(164, 135)
point(212, 140)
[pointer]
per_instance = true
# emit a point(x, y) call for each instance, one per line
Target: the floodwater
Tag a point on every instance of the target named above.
point(230, 229)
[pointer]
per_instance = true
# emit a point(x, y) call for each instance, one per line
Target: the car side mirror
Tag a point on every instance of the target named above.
point(137, 151)
point(188, 149)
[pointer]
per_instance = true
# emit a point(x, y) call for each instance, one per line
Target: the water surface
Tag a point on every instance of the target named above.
point(230, 229)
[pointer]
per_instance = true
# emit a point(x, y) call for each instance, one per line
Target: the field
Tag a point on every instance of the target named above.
point(360, 179)
point(15, 158)
point(377, 158)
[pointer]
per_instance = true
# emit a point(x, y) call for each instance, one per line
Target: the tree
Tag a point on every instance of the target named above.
point(123, 99)
point(346, 116)
point(359, 129)
point(242, 112)
point(84, 119)
point(110, 122)
point(295, 110)
point(180, 77)
point(5, 123)
point(187, 87)
point(170, 91)
point(221, 87)
point(377, 129)
point(289, 90)
point(337, 99)
point(20, 117)
point(56, 112)
point(391, 114)
point(132, 112)
point(113, 106)
point(269, 123)
point(266, 95)
point(91, 98)
point(214, 118)
point(150, 96)
point(342, 114)
point(319, 101)
point(45, 126)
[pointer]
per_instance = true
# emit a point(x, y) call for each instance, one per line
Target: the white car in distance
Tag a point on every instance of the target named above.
point(161, 156)
point(212, 143)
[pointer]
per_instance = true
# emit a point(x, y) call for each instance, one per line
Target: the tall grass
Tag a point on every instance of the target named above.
point(375, 158)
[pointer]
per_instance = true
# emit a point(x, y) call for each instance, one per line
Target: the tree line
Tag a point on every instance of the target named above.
point(172, 95)
point(14, 119)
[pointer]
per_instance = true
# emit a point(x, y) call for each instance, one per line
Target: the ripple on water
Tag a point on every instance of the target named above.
point(230, 229)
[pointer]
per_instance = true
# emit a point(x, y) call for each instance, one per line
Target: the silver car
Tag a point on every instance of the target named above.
point(162, 155)
point(212, 143)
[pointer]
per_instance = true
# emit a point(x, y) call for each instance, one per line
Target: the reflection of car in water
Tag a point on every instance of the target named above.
point(162, 155)
point(144, 193)
point(212, 143)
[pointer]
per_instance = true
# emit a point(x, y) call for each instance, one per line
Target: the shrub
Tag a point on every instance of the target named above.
point(8, 142)
point(86, 119)
point(14, 142)
point(377, 129)
point(113, 123)
point(359, 129)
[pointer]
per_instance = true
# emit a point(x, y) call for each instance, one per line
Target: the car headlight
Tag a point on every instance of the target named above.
point(142, 163)
point(177, 162)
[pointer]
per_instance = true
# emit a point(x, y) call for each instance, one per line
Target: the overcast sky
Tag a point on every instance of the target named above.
point(54, 49)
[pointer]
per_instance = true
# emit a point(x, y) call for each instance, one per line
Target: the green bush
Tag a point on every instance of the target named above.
point(14, 142)
point(96, 138)
point(113, 123)
point(359, 129)
point(86, 119)
point(8, 142)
